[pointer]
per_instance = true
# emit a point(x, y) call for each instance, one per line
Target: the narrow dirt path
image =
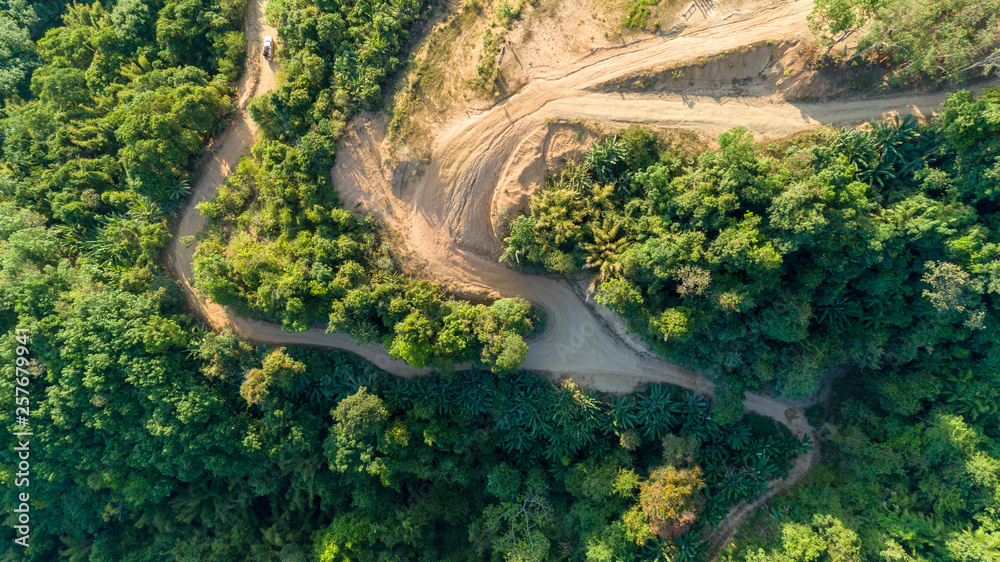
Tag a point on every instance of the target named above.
point(223, 156)
point(443, 216)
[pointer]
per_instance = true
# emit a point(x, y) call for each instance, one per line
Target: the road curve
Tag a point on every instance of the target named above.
point(446, 215)
point(223, 155)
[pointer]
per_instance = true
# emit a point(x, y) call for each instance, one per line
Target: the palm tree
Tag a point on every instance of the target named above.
point(143, 209)
point(836, 314)
point(861, 150)
point(739, 437)
point(576, 416)
point(968, 397)
point(73, 234)
point(886, 152)
point(606, 162)
point(605, 251)
point(178, 189)
point(559, 213)
point(896, 140)
point(658, 410)
point(624, 413)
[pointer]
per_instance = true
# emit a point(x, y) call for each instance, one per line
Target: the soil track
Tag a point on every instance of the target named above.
point(224, 153)
point(442, 211)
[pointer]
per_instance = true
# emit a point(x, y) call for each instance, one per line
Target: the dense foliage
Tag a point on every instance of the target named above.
point(18, 53)
point(152, 440)
point(895, 486)
point(280, 245)
point(765, 264)
point(124, 99)
point(931, 39)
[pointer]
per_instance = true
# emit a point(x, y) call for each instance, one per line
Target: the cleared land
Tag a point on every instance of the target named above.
point(442, 211)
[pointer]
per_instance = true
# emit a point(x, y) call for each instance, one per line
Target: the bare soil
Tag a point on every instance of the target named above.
point(439, 208)
point(766, 68)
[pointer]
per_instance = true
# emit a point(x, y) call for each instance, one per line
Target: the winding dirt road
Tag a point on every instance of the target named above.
point(224, 153)
point(444, 215)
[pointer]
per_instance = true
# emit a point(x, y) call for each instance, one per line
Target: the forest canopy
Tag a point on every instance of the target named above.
point(929, 40)
point(766, 264)
point(868, 252)
point(99, 142)
point(278, 242)
point(153, 439)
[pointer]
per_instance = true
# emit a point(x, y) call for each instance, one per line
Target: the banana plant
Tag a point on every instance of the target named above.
point(765, 467)
point(605, 161)
point(306, 389)
point(440, 396)
point(658, 412)
point(693, 403)
point(473, 394)
point(400, 395)
point(717, 455)
point(805, 445)
point(688, 548)
point(516, 439)
point(624, 413)
point(559, 447)
point(714, 514)
point(538, 416)
point(739, 437)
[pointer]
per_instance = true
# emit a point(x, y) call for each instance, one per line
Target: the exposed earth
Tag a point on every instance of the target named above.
point(445, 214)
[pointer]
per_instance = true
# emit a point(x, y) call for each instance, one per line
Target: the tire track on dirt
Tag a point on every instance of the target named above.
point(444, 216)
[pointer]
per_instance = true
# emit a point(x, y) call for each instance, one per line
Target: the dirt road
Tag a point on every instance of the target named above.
point(443, 216)
point(224, 154)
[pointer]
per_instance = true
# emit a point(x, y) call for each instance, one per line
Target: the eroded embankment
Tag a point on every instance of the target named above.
point(441, 214)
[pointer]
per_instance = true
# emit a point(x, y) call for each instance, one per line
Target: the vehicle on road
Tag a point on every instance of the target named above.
point(268, 47)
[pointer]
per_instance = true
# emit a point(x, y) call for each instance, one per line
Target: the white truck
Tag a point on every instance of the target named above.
point(268, 47)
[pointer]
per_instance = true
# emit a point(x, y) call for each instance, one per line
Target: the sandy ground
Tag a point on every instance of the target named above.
point(223, 156)
point(543, 153)
point(441, 212)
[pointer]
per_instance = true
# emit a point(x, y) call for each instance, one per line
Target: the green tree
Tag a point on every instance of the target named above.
point(825, 539)
point(413, 341)
point(350, 448)
point(833, 21)
point(517, 527)
point(18, 55)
